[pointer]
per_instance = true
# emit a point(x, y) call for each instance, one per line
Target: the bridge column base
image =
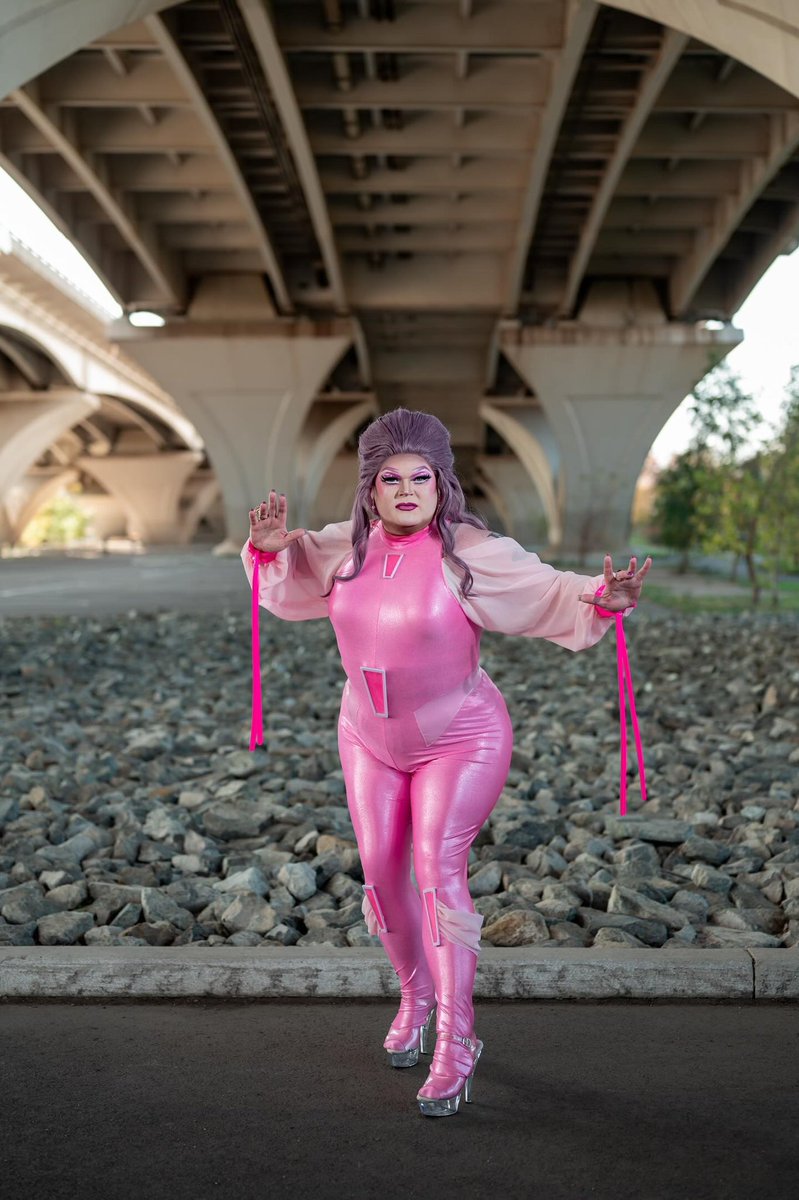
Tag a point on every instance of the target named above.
point(247, 387)
point(511, 493)
point(607, 394)
point(148, 487)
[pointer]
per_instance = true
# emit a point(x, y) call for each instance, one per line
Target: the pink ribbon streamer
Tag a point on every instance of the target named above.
point(257, 720)
point(622, 658)
point(625, 678)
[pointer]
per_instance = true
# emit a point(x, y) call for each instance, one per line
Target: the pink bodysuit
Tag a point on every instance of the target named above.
point(424, 734)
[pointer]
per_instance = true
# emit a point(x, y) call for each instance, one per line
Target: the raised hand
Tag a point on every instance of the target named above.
point(268, 524)
point(622, 588)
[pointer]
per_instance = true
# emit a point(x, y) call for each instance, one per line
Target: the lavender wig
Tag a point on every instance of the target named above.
point(402, 431)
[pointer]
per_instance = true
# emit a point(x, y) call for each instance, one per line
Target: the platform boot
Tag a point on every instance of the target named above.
point(452, 945)
point(410, 1033)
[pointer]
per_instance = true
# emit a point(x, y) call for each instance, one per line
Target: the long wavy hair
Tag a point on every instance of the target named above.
point(403, 431)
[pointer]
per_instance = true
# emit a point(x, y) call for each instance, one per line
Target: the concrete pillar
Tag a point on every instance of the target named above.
point(107, 518)
point(28, 425)
point(202, 497)
point(491, 505)
point(520, 429)
point(247, 387)
point(510, 489)
point(326, 429)
point(148, 488)
point(333, 501)
point(607, 388)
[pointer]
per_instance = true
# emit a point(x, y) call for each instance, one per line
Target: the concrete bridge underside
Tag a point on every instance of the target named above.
point(518, 214)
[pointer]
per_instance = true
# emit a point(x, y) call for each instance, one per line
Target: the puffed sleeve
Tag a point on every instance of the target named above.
point(293, 583)
point(515, 592)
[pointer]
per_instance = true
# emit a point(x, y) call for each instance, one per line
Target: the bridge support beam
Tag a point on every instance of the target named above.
point(607, 392)
point(333, 501)
point(524, 430)
point(247, 387)
point(107, 518)
point(323, 436)
point(148, 487)
point(511, 491)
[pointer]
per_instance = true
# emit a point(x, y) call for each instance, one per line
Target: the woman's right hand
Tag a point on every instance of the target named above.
point(268, 524)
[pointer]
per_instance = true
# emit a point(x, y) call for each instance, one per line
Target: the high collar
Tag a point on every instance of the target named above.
point(399, 540)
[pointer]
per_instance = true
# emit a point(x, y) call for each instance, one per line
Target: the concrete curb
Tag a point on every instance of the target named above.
point(327, 972)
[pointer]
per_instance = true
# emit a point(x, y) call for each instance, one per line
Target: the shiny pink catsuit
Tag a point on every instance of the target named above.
point(424, 734)
point(425, 742)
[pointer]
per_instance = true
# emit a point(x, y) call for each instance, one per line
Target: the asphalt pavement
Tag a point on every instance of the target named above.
point(81, 584)
point(122, 1101)
point(269, 1098)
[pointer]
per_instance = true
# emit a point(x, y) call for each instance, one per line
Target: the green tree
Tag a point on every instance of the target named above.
point(57, 523)
point(755, 508)
point(723, 414)
point(780, 515)
point(678, 517)
point(704, 497)
point(738, 507)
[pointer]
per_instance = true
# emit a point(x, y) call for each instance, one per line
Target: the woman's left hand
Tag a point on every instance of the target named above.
point(622, 588)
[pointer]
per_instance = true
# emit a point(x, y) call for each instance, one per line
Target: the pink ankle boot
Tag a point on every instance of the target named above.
point(410, 1032)
point(452, 946)
point(409, 1036)
point(451, 1074)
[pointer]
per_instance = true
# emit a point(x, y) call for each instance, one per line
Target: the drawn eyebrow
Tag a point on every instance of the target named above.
point(418, 471)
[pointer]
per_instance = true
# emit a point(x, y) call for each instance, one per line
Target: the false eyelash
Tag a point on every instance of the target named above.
point(416, 478)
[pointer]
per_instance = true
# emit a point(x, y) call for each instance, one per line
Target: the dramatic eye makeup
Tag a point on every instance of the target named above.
point(421, 478)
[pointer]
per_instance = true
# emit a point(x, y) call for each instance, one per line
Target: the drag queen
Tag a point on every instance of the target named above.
point(424, 735)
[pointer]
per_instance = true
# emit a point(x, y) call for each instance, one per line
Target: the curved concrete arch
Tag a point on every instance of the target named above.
point(36, 34)
point(531, 454)
point(606, 394)
point(763, 34)
point(20, 345)
point(129, 412)
point(169, 416)
point(320, 443)
point(335, 493)
point(27, 359)
point(87, 372)
point(496, 500)
point(313, 363)
point(148, 487)
point(248, 390)
point(207, 494)
point(28, 427)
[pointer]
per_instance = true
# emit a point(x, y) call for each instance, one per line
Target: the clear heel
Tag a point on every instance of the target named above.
point(410, 1057)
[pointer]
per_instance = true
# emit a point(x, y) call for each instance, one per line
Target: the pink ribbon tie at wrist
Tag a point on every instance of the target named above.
point(257, 722)
point(625, 677)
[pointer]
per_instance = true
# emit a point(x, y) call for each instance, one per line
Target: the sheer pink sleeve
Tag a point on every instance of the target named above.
point(515, 592)
point(292, 585)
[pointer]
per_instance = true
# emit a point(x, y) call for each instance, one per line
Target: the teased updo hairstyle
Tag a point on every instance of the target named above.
point(403, 431)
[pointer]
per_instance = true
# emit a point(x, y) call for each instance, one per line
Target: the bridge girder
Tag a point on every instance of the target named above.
point(428, 171)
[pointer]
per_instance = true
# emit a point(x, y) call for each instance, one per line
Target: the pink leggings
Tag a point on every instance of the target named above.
point(401, 791)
